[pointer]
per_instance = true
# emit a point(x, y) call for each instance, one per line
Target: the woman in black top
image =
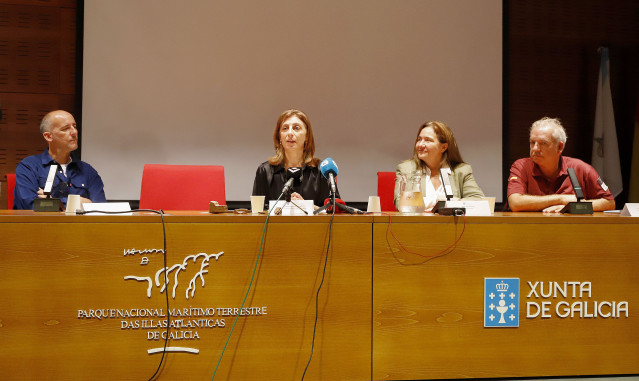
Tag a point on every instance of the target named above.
point(294, 147)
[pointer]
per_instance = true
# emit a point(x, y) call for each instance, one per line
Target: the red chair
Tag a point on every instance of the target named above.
point(386, 190)
point(181, 187)
point(11, 184)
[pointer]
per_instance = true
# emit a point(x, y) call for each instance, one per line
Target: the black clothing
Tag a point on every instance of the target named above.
point(270, 180)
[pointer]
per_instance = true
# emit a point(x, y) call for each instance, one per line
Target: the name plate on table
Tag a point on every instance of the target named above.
point(97, 207)
point(630, 210)
point(473, 208)
point(293, 208)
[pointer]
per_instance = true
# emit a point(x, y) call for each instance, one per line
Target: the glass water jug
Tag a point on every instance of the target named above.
point(410, 194)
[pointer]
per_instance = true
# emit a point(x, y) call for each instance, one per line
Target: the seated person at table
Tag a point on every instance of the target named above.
point(436, 150)
point(294, 147)
point(541, 183)
point(73, 176)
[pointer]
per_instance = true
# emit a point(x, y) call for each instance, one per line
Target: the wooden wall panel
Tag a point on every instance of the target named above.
point(68, 51)
point(33, 35)
point(37, 74)
point(50, 3)
point(552, 68)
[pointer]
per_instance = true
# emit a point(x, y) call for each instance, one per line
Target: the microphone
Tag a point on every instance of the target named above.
point(440, 207)
point(48, 204)
point(575, 184)
point(294, 176)
point(329, 171)
point(48, 185)
point(579, 207)
point(448, 189)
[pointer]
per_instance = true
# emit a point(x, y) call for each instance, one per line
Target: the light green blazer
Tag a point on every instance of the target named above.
point(461, 180)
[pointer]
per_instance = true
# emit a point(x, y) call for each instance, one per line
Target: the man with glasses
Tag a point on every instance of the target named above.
point(72, 176)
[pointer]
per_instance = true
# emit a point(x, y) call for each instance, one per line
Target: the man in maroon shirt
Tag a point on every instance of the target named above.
point(541, 182)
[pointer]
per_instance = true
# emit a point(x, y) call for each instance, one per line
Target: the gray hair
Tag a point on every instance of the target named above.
point(45, 124)
point(558, 131)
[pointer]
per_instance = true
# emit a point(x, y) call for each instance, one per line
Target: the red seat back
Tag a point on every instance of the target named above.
point(11, 184)
point(386, 190)
point(181, 187)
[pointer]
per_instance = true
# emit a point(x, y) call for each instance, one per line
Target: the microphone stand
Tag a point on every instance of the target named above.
point(342, 207)
point(581, 206)
point(288, 201)
point(440, 208)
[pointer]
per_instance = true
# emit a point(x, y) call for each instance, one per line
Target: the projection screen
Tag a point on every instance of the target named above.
point(203, 82)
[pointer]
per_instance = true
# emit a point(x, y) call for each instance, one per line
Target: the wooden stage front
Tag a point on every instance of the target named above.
point(84, 296)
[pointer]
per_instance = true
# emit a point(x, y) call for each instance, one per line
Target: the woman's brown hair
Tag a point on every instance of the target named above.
point(309, 144)
point(444, 134)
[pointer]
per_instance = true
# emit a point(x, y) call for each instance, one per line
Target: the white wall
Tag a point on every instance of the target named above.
point(203, 82)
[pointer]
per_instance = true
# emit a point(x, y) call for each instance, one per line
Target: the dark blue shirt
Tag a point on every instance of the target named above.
point(32, 173)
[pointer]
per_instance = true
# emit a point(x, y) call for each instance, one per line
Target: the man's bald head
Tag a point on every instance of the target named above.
point(47, 121)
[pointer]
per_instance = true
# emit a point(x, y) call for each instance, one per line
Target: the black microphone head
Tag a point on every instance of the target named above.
point(294, 173)
point(448, 189)
point(579, 193)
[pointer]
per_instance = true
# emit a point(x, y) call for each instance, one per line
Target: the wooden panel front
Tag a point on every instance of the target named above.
point(428, 312)
point(385, 313)
point(55, 269)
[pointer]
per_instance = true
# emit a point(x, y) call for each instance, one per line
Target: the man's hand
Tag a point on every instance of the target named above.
point(553, 209)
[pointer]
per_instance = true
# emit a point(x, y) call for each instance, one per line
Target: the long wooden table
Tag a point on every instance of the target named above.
point(403, 296)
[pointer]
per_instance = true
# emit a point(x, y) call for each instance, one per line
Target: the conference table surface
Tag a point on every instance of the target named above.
point(403, 296)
